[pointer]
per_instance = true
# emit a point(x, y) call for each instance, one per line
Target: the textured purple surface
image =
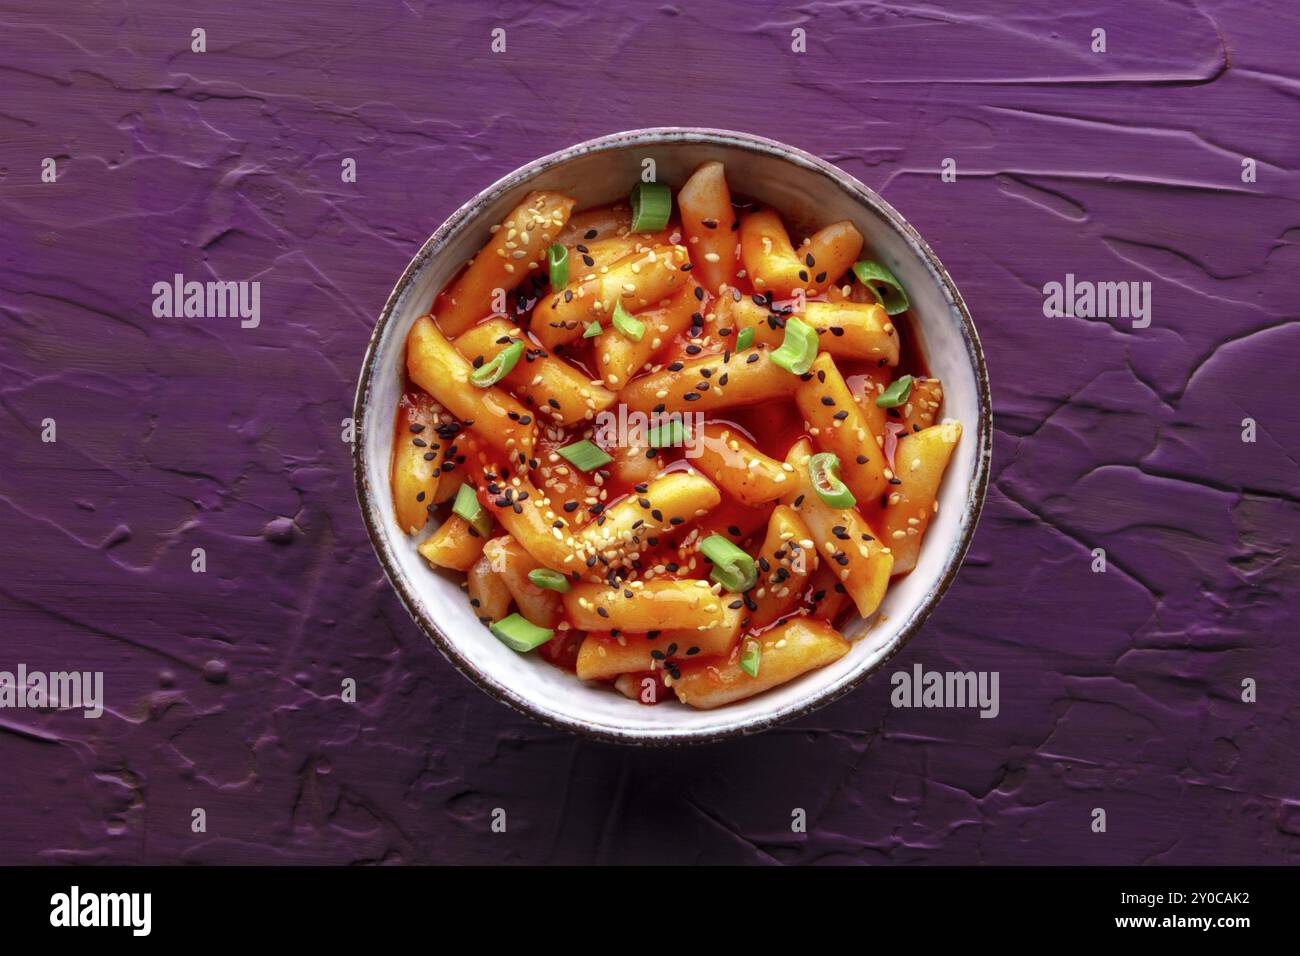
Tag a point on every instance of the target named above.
point(1119, 690)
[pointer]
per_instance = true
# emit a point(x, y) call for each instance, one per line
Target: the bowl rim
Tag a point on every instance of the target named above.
point(658, 136)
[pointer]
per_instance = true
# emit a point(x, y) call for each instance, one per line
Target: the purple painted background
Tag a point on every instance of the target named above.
point(1119, 690)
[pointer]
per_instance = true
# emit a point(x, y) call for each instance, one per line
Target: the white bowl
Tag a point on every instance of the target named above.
point(810, 193)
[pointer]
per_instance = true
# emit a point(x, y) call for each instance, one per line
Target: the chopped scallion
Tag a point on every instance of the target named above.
point(584, 455)
point(548, 579)
point(626, 325)
point(652, 204)
point(744, 339)
point(824, 470)
point(592, 330)
point(557, 263)
point(669, 434)
point(489, 373)
point(732, 568)
point(883, 285)
point(798, 348)
point(896, 394)
point(468, 507)
point(751, 657)
point(520, 634)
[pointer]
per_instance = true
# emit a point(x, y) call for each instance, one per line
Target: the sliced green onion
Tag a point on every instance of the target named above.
point(751, 657)
point(798, 348)
point(671, 434)
point(592, 330)
point(520, 634)
point(824, 470)
point(896, 394)
point(883, 285)
point(732, 567)
point(585, 455)
point(468, 507)
point(548, 579)
point(557, 263)
point(626, 325)
point(744, 339)
point(652, 204)
point(489, 373)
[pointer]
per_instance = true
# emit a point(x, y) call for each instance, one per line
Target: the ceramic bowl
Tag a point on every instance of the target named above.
point(810, 193)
